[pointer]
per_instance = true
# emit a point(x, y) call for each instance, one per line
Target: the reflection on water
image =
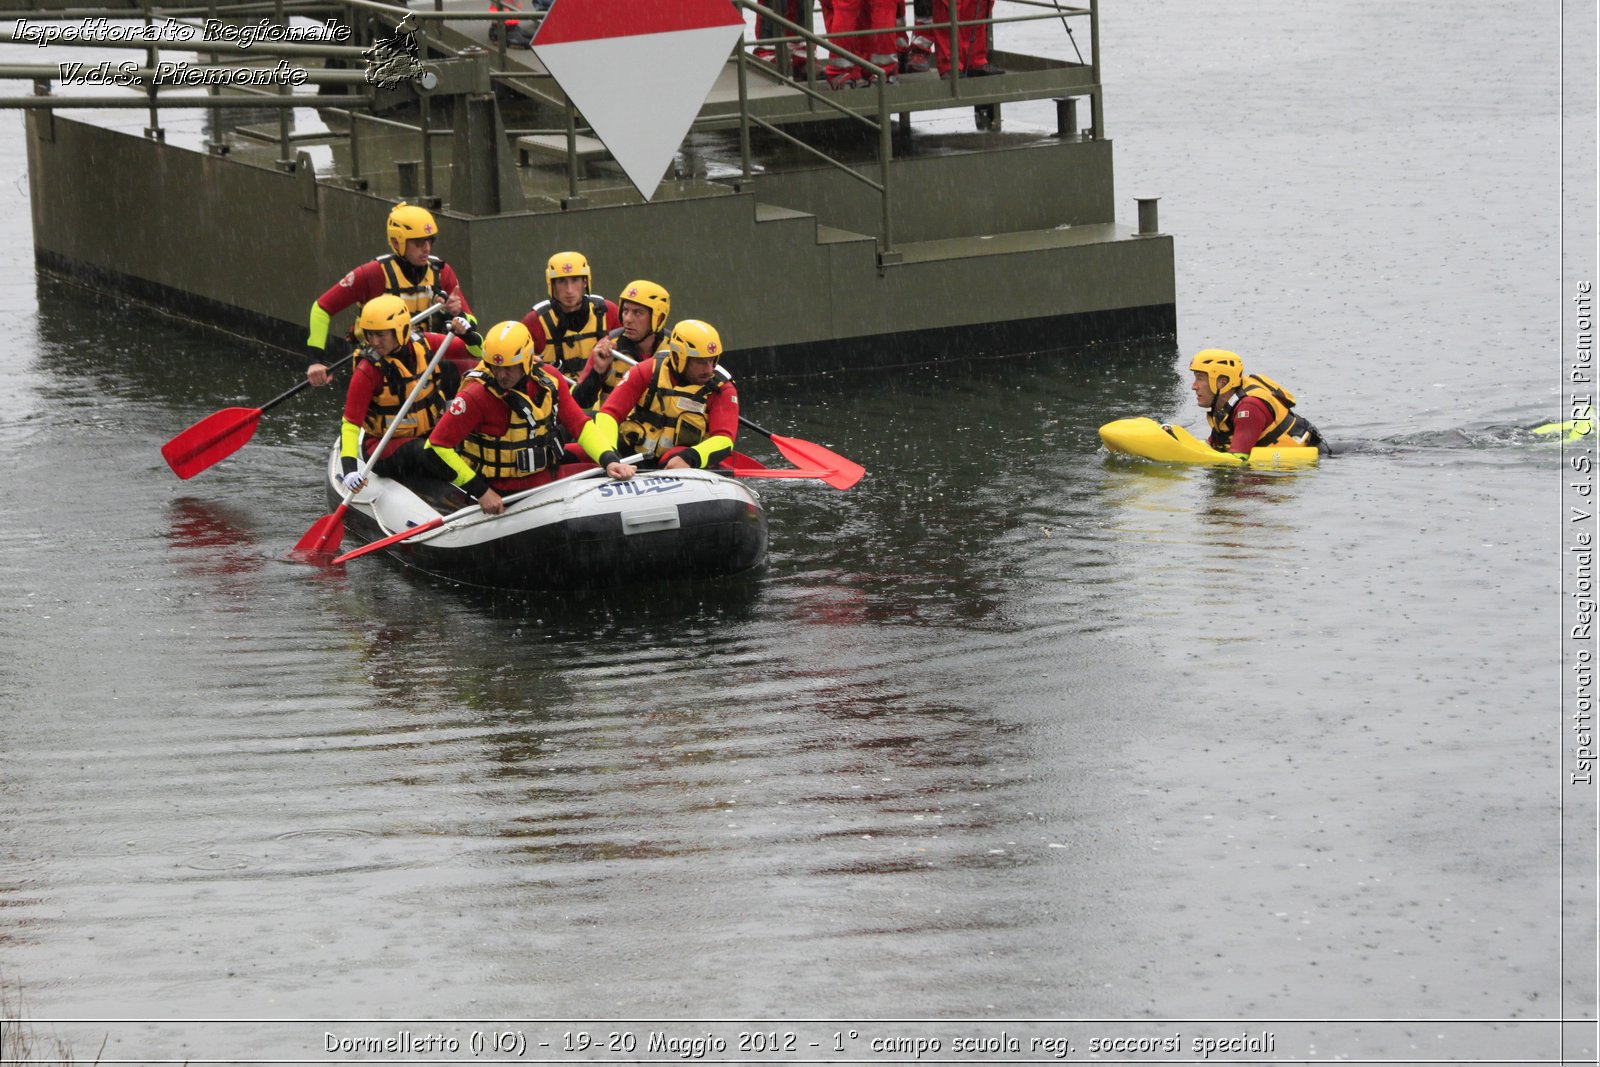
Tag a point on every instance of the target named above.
point(213, 539)
point(1011, 728)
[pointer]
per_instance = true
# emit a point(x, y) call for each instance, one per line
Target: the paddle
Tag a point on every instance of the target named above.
point(769, 472)
point(461, 514)
point(831, 467)
point(740, 461)
point(744, 466)
point(222, 433)
point(826, 464)
point(322, 539)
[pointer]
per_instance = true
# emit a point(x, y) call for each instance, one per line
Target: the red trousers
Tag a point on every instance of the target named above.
point(869, 25)
point(973, 41)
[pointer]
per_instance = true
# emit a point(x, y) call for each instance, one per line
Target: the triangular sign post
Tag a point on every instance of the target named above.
point(638, 70)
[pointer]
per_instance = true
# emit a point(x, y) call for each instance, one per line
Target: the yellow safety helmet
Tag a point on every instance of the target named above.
point(1219, 365)
point(693, 339)
point(567, 265)
point(384, 313)
point(652, 297)
point(508, 344)
point(407, 221)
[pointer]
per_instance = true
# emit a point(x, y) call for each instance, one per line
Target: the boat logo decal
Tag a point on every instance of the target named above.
point(640, 487)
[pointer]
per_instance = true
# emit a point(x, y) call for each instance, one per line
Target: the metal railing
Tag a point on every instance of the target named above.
point(879, 75)
point(1049, 10)
point(356, 108)
point(798, 34)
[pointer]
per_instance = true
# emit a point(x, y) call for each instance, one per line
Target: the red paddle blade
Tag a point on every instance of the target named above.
point(214, 438)
point(738, 461)
point(321, 543)
point(841, 473)
point(431, 524)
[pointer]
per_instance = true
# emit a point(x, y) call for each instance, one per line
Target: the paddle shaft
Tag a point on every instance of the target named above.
point(405, 409)
point(460, 515)
point(841, 473)
point(775, 472)
point(630, 361)
point(411, 398)
point(304, 383)
point(221, 434)
point(418, 317)
point(224, 432)
point(324, 536)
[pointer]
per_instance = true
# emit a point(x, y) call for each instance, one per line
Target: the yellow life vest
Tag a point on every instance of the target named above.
point(1285, 423)
point(529, 443)
point(667, 415)
point(630, 348)
point(569, 351)
point(419, 295)
point(400, 372)
point(618, 369)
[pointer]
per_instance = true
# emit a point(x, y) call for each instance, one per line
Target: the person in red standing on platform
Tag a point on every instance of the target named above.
point(913, 45)
point(868, 27)
point(390, 361)
point(519, 32)
point(972, 41)
point(499, 433)
point(566, 327)
point(411, 271)
point(674, 409)
point(766, 29)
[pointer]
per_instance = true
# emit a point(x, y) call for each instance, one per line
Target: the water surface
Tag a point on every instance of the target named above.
point(1012, 730)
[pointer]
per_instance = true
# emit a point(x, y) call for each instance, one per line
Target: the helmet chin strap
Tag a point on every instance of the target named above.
point(1220, 395)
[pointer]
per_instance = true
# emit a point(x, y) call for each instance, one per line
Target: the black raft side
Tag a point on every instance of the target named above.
point(714, 538)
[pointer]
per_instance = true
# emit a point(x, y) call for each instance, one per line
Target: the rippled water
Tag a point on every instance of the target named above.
point(1013, 730)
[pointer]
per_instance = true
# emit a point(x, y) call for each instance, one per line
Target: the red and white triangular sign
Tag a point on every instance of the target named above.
point(639, 71)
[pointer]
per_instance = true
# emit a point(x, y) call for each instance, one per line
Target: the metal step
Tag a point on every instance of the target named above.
point(1005, 244)
point(823, 234)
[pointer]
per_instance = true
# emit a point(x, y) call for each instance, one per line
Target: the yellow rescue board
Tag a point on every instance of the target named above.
point(1150, 439)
